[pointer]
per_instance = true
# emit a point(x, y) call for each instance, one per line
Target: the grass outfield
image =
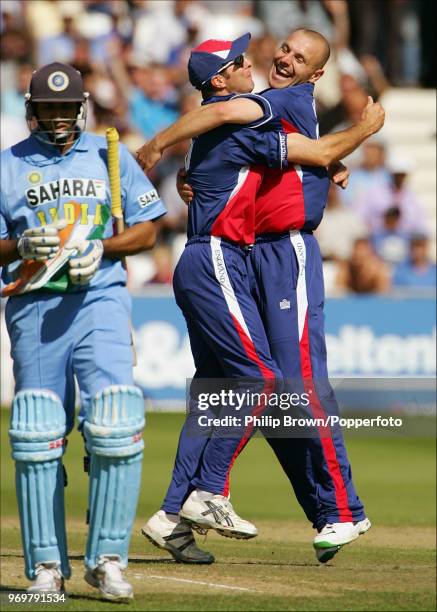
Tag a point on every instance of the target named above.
point(390, 568)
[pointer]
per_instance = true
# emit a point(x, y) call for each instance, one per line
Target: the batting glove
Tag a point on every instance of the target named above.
point(41, 243)
point(84, 265)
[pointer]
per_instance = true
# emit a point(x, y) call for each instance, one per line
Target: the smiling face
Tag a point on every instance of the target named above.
point(299, 59)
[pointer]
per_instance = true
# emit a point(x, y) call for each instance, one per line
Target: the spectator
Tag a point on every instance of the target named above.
point(234, 18)
point(152, 101)
point(391, 243)
point(158, 21)
point(13, 124)
point(377, 82)
point(338, 221)
point(60, 47)
point(162, 260)
point(371, 172)
point(373, 201)
point(364, 272)
point(101, 24)
point(82, 57)
point(282, 17)
point(261, 51)
point(16, 46)
point(12, 130)
point(175, 221)
point(353, 98)
point(12, 98)
point(418, 271)
point(43, 18)
point(133, 56)
point(389, 31)
point(179, 54)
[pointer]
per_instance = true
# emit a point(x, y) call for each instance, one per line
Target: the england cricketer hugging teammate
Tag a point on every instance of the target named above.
point(283, 267)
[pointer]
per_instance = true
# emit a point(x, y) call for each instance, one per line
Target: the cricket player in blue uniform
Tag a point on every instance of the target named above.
point(68, 316)
point(298, 108)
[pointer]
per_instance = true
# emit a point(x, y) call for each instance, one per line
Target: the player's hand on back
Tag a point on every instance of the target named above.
point(339, 174)
point(185, 190)
point(148, 155)
point(41, 243)
point(373, 116)
point(86, 261)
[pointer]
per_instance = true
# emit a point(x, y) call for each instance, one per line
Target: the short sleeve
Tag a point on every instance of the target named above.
point(4, 228)
point(295, 105)
point(265, 106)
point(265, 147)
point(141, 201)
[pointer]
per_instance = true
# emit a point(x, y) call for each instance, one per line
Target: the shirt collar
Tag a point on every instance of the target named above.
point(307, 87)
point(81, 144)
point(218, 99)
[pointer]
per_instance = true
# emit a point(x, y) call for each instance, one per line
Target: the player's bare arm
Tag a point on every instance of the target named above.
point(198, 121)
point(132, 241)
point(333, 147)
point(8, 252)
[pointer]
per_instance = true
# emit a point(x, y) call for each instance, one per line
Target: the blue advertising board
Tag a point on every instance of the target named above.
point(367, 336)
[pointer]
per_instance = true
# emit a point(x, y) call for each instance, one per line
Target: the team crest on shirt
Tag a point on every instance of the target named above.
point(34, 178)
point(58, 81)
point(284, 304)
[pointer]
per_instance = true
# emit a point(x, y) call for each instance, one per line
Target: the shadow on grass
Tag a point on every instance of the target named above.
point(161, 561)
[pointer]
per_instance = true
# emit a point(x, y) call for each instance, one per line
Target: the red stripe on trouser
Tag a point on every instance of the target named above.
point(344, 512)
point(268, 388)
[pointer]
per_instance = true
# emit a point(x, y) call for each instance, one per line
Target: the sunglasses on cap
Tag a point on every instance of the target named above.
point(238, 62)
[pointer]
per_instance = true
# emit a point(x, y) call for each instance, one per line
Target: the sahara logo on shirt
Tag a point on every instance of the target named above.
point(148, 198)
point(63, 187)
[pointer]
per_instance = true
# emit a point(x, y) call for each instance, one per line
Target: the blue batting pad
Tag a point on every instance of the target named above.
point(37, 431)
point(113, 434)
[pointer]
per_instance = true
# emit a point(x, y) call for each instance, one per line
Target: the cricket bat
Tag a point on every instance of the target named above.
point(112, 140)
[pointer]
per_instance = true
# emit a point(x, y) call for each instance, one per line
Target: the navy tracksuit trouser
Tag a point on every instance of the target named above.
point(283, 276)
point(228, 341)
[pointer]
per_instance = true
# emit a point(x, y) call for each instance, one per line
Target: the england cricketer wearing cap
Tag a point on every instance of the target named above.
point(226, 332)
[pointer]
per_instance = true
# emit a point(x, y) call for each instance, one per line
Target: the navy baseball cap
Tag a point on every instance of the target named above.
point(56, 82)
point(207, 58)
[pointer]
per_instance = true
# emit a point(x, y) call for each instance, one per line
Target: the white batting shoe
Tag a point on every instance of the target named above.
point(109, 579)
point(333, 536)
point(210, 511)
point(48, 579)
point(169, 532)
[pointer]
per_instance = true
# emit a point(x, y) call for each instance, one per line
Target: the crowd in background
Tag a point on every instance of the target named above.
point(133, 56)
